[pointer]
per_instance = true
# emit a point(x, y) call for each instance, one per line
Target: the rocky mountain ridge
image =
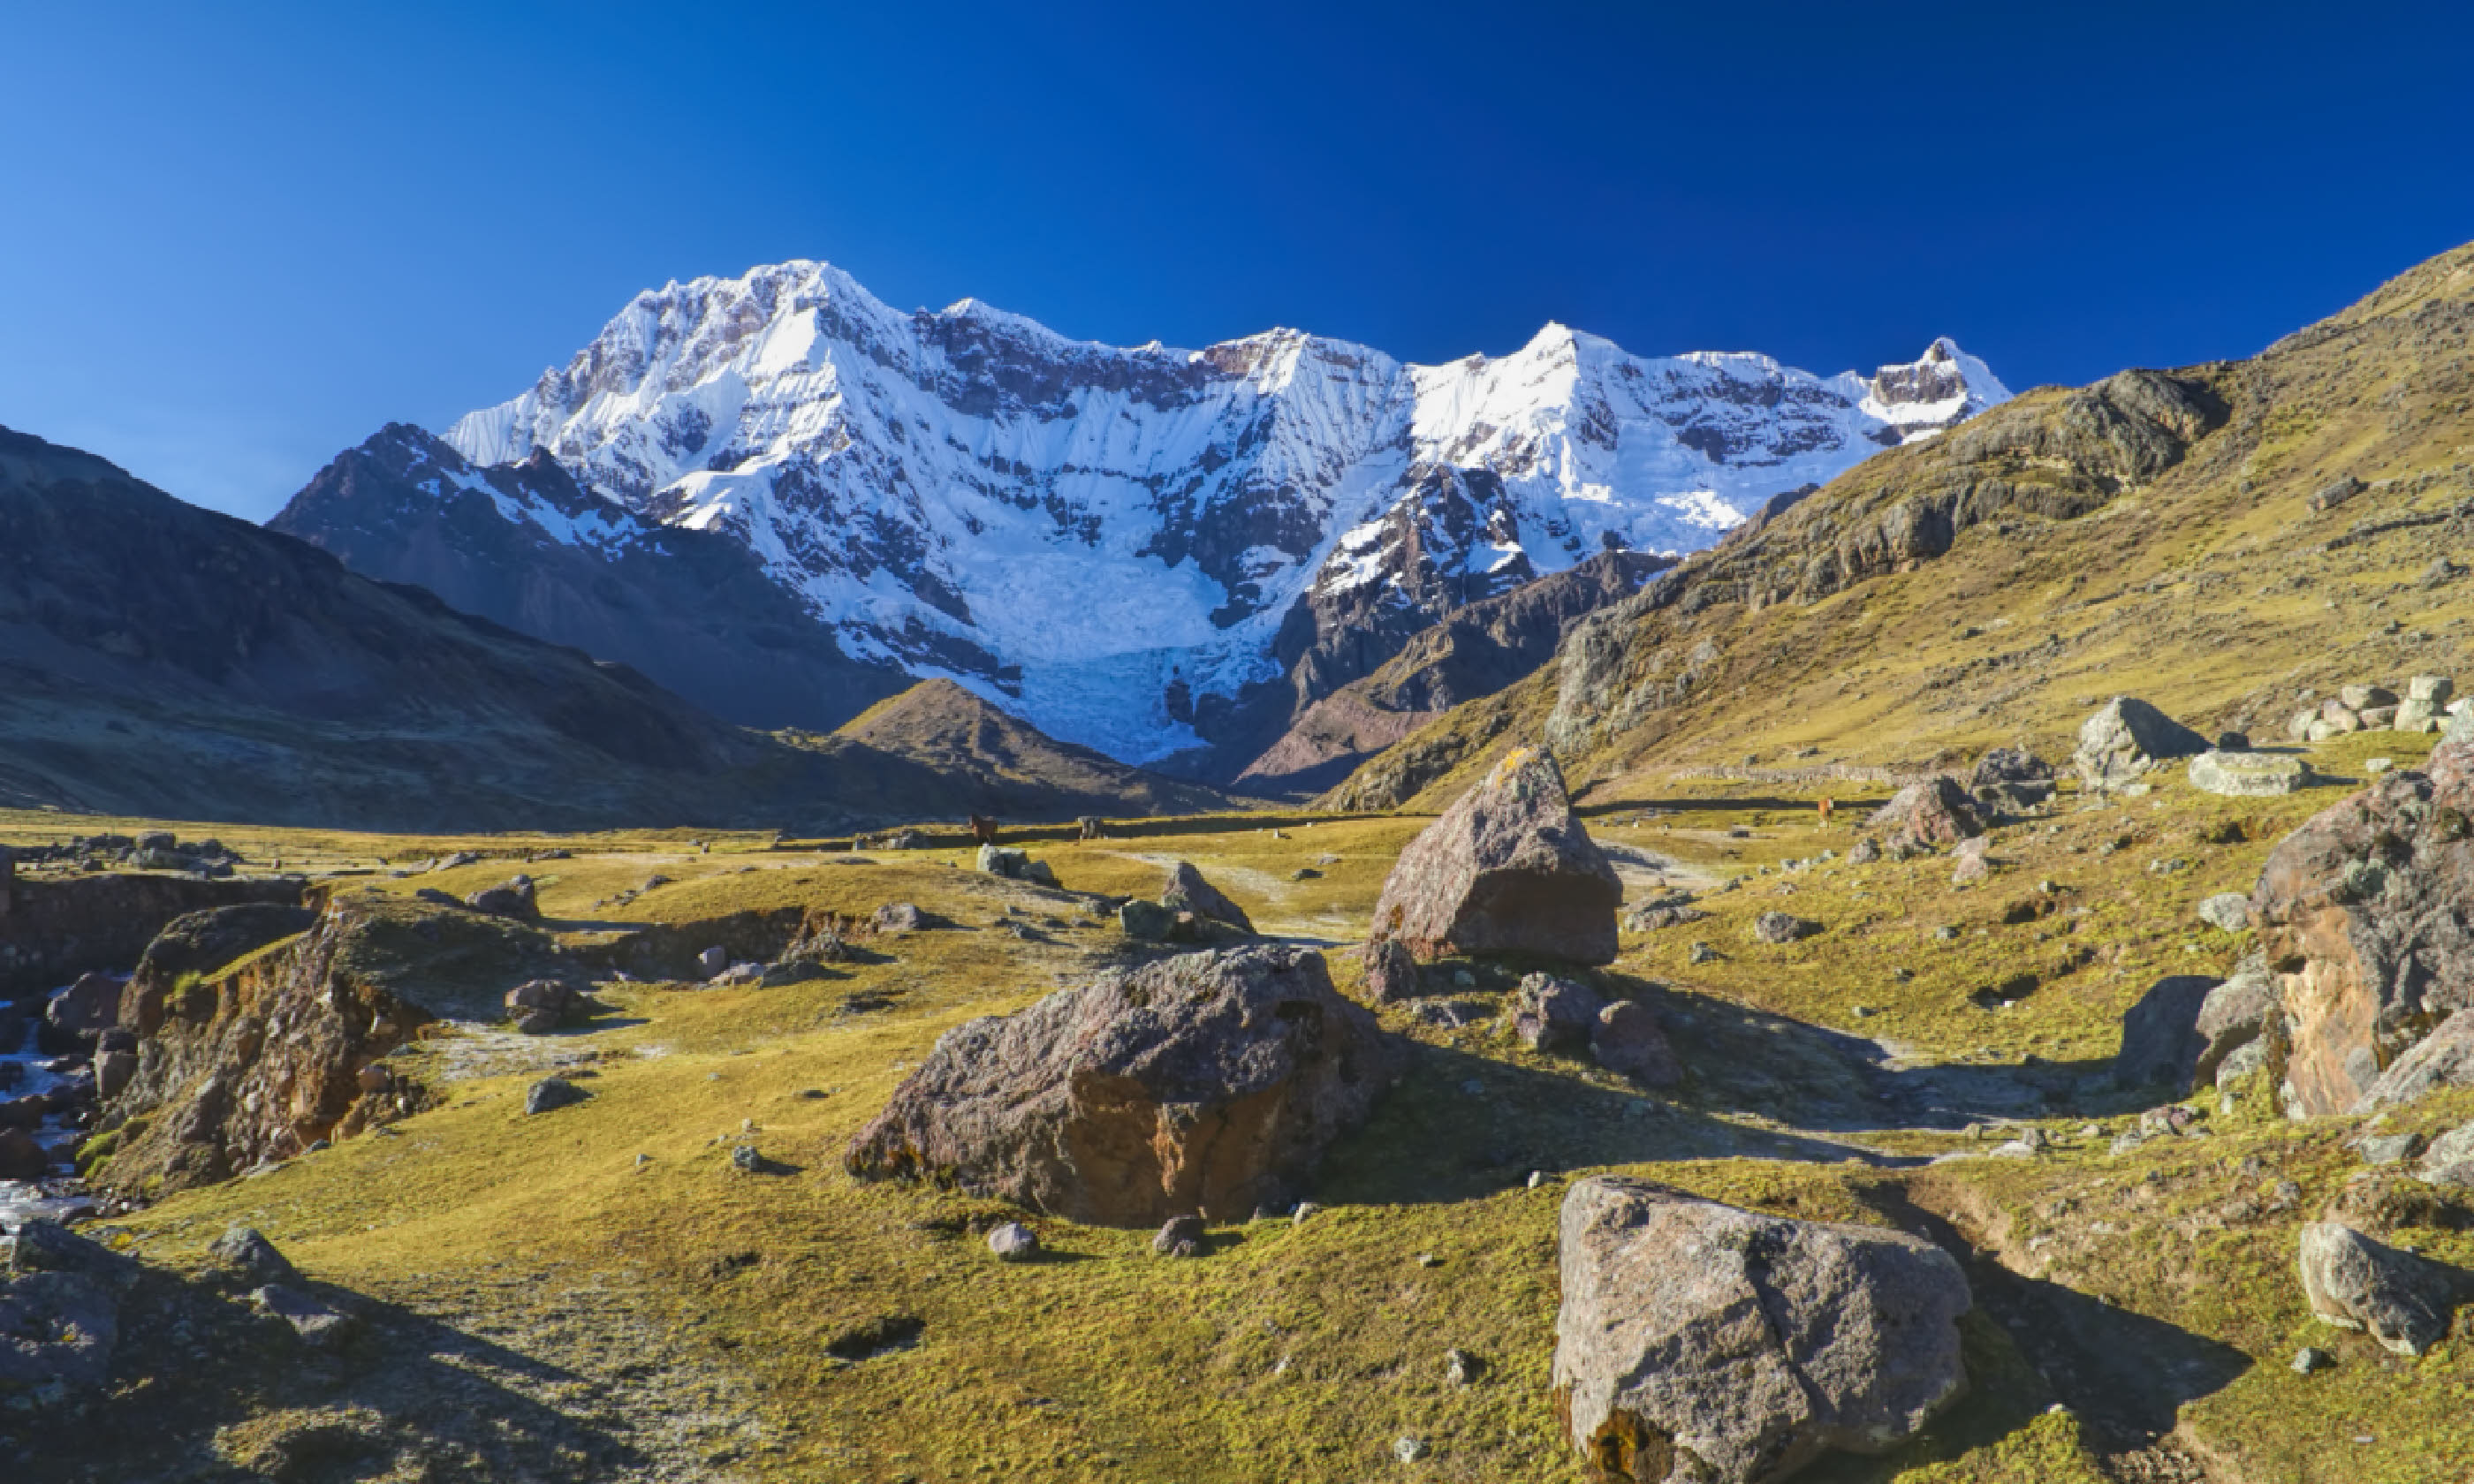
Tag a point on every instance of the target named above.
point(1157, 553)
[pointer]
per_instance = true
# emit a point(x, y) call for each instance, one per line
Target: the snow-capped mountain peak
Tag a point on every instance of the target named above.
point(1113, 540)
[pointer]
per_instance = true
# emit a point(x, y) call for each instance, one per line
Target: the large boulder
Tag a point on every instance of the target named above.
point(2357, 1283)
point(1701, 1343)
point(2248, 775)
point(512, 898)
point(2361, 910)
point(1935, 812)
point(2235, 1014)
point(1186, 891)
point(1211, 1082)
point(1507, 869)
point(75, 1018)
point(2126, 738)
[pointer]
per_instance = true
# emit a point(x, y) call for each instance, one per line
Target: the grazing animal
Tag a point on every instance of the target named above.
point(1825, 813)
point(1092, 824)
point(984, 830)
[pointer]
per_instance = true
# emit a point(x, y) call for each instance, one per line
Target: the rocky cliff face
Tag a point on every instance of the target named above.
point(1150, 551)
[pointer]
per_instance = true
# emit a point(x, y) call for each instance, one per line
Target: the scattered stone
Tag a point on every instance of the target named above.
point(2308, 1360)
point(1972, 867)
point(1867, 851)
point(2357, 1283)
point(2334, 492)
point(1408, 1450)
point(1461, 1368)
point(1781, 927)
point(1208, 1082)
point(2389, 1148)
point(1935, 812)
point(898, 917)
point(247, 1254)
point(2226, 911)
point(2248, 775)
point(1507, 869)
point(713, 961)
point(1700, 953)
point(2125, 738)
point(2011, 777)
point(1180, 1236)
point(1014, 1242)
point(1186, 891)
point(552, 1093)
point(1551, 1013)
point(1670, 909)
point(744, 1159)
point(1698, 1341)
point(2234, 1018)
point(1391, 972)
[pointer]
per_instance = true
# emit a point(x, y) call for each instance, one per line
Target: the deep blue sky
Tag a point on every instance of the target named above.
point(240, 237)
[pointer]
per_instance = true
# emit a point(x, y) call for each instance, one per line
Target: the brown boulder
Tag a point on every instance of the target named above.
point(1508, 867)
point(20, 1157)
point(2362, 911)
point(1210, 1082)
point(1936, 811)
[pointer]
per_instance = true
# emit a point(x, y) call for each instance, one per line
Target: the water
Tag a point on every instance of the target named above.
point(49, 1199)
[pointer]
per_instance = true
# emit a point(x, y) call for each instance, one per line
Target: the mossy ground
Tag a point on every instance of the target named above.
point(1301, 1351)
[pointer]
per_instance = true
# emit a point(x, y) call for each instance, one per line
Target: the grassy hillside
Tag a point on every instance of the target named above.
point(2154, 535)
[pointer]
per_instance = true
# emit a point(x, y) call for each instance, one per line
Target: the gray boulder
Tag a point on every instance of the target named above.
point(1014, 1242)
point(1209, 1082)
point(1507, 869)
point(509, 898)
point(315, 1321)
point(553, 1094)
point(1782, 927)
point(1186, 891)
point(1146, 921)
point(2012, 777)
point(2126, 738)
point(1551, 1013)
point(2248, 775)
point(1697, 1342)
point(2235, 1015)
point(245, 1254)
point(2450, 1158)
point(2354, 1282)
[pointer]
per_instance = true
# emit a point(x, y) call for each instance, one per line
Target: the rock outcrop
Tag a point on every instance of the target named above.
point(1211, 1082)
point(284, 1047)
point(1508, 867)
point(1698, 1342)
point(2126, 738)
point(2362, 911)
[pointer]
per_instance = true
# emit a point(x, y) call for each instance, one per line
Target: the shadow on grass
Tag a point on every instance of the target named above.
point(202, 1387)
